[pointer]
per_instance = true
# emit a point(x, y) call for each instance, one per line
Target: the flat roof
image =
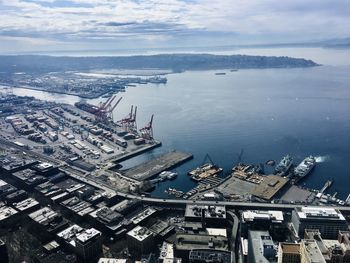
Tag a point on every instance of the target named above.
point(70, 233)
point(217, 232)
point(200, 241)
point(26, 204)
point(290, 248)
point(140, 233)
point(88, 234)
point(251, 215)
point(43, 215)
point(260, 240)
point(111, 260)
point(6, 212)
point(312, 251)
point(217, 211)
point(143, 215)
point(319, 213)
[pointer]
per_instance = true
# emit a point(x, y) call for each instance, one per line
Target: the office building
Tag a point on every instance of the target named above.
point(328, 221)
point(260, 247)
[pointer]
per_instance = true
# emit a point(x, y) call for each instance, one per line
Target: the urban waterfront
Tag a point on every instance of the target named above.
point(264, 113)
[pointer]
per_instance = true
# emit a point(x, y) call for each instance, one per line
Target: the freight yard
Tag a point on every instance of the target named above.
point(63, 187)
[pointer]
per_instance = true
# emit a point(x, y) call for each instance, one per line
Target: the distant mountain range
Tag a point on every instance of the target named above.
point(174, 62)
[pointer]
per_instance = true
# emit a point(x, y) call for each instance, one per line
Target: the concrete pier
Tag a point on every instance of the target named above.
point(153, 167)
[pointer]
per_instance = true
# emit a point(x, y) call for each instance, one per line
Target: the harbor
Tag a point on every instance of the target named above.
point(154, 167)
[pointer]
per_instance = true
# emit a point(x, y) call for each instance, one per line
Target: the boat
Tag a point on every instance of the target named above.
point(167, 175)
point(305, 167)
point(234, 70)
point(220, 73)
point(204, 171)
point(284, 165)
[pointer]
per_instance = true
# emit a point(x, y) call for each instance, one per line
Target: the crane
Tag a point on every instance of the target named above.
point(105, 111)
point(147, 131)
point(129, 122)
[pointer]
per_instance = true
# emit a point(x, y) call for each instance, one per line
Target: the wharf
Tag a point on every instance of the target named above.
point(151, 168)
point(127, 155)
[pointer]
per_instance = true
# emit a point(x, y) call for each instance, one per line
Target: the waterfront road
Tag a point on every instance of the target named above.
point(173, 202)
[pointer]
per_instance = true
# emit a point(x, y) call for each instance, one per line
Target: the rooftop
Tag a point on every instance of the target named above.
point(6, 212)
point(290, 248)
point(87, 235)
point(70, 233)
point(140, 233)
point(319, 213)
point(26, 204)
point(209, 211)
point(44, 215)
point(200, 241)
point(249, 216)
point(313, 252)
point(262, 246)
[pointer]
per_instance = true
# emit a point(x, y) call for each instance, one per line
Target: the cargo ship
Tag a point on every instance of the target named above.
point(284, 165)
point(305, 167)
point(86, 107)
point(204, 171)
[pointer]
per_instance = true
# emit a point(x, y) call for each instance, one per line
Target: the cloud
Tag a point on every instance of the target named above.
point(165, 22)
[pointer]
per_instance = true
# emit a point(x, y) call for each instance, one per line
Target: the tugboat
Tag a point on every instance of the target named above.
point(284, 165)
point(305, 167)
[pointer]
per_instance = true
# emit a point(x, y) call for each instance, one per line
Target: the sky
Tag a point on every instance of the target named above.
point(51, 25)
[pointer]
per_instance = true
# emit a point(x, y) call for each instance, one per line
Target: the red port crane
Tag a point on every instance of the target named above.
point(129, 122)
point(105, 111)
point(147, 131)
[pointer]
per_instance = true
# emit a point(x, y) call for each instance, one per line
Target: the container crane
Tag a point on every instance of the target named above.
point(147, 131)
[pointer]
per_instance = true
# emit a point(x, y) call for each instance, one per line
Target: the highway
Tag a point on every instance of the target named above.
point(172, 202)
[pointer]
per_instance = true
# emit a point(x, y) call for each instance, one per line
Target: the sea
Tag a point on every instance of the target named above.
point(249, 116)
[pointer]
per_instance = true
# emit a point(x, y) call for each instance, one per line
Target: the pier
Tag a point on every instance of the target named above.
point(151, 168)
point(326, 186)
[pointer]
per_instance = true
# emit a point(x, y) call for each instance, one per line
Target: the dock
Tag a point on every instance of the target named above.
point(326, 186)
point(152, 168)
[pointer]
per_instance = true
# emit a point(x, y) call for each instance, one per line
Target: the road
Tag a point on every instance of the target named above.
point(174, 202)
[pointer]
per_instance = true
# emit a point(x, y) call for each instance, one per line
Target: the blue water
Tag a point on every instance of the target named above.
point(267, 113)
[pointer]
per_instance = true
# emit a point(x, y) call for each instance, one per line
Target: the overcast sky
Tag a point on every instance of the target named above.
point(36, 25)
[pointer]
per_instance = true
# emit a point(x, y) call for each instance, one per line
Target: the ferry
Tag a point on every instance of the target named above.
point(305, 167)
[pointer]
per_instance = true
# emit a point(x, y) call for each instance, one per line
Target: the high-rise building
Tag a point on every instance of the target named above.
point(140, 241)
point(288, 253)
point(89, 244)
point(3, 252)
point(310, 252)
point(328, 221)
point(260, 247)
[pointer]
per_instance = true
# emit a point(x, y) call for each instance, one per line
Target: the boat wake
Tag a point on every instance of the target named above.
point(322, 159)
